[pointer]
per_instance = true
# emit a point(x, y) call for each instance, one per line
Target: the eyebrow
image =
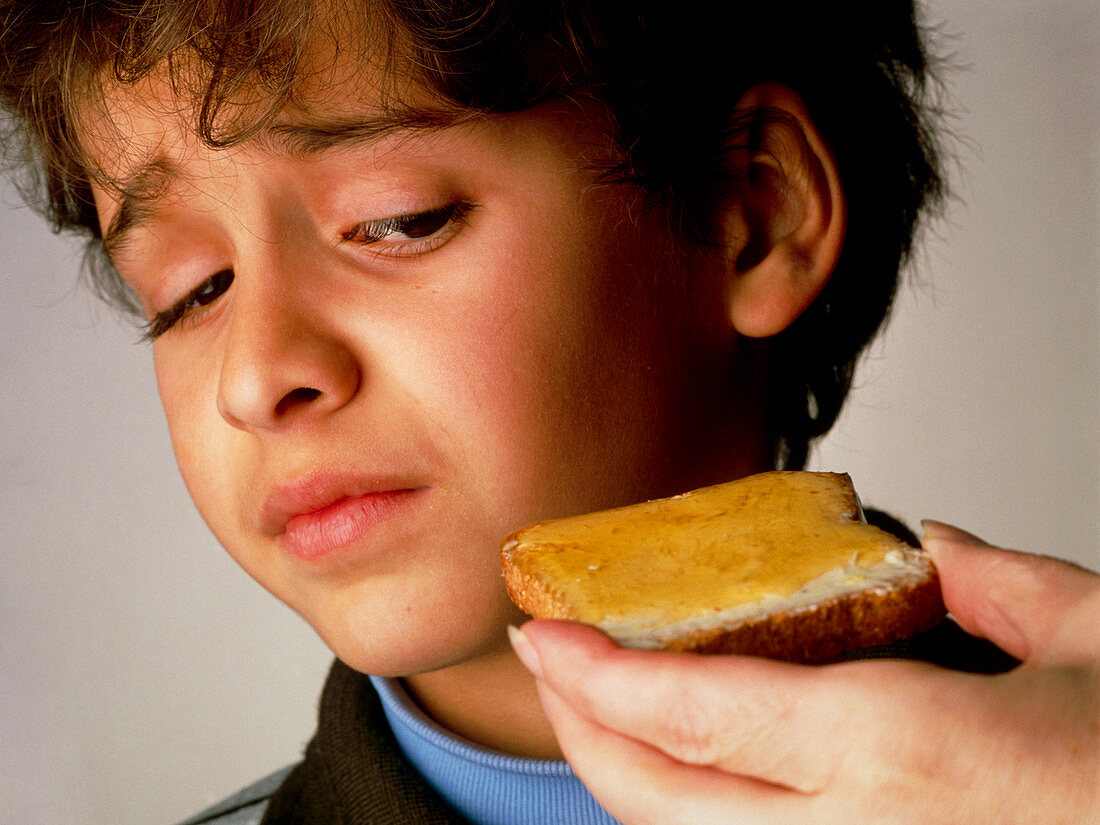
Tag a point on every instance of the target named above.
point(138, 196)
point(141, 191)
point(317, 135)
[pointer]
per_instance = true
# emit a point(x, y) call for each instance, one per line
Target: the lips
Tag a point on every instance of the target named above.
point(319, 514)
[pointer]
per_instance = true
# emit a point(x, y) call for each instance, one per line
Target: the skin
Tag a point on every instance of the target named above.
point(531, 359)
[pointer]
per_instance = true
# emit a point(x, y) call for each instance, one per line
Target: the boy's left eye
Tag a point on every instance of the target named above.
point(410, 235)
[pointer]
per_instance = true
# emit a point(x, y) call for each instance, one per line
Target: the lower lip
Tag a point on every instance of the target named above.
point(312, 536)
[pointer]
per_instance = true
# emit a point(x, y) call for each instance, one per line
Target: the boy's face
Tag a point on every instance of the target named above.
point(363, 403)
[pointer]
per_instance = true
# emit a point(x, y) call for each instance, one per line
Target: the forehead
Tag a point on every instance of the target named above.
point(338, 88)
point(151, 155)
point(138, 136)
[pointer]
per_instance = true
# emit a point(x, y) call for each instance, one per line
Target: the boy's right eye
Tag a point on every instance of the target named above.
point(187, 307)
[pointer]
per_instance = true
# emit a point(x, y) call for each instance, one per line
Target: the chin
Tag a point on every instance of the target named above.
point(413, 640)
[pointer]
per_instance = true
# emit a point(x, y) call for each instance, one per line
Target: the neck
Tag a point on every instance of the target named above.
point(491, 701)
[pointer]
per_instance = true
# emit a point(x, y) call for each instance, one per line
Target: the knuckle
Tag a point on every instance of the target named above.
point(692, 728)
point(703, 723)
point(687, 733)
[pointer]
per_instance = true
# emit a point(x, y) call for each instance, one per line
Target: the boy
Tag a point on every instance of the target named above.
point(415, 277)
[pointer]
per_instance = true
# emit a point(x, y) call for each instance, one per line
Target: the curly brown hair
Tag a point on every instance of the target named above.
point(667, 75)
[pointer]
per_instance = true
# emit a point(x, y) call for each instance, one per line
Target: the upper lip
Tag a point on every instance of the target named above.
point(315, 491)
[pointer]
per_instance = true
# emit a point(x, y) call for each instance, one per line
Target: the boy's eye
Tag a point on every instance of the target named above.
point(409, 235)
point(210, 289)
point(204, 294)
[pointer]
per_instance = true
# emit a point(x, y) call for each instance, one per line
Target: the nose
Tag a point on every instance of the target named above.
point(283, 362)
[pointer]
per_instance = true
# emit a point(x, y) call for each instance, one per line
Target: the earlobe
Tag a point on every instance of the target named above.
point(785, 225)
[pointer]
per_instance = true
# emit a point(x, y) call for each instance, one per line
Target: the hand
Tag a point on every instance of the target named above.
point(678, 738)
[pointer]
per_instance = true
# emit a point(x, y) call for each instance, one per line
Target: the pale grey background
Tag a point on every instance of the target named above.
point(142, 675)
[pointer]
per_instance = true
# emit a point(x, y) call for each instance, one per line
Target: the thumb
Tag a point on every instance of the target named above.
point(1038, 609)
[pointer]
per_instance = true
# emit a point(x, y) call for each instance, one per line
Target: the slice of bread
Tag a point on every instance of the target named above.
point(779, 564)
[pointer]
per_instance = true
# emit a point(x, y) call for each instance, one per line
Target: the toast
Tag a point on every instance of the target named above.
point(780, 564)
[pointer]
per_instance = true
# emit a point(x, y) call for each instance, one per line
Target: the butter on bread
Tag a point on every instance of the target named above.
point(779, 564)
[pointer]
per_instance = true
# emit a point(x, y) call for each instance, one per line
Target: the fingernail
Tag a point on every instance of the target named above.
point(525, 651)
point(938, 531)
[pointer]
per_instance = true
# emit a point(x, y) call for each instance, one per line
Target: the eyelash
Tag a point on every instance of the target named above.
point(190, 305)
point(437, 225)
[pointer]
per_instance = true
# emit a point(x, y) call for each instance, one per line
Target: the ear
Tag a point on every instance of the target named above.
point(784, 227)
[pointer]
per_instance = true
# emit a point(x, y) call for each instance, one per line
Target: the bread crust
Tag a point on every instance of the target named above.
point(826, 631)
point(819, 633)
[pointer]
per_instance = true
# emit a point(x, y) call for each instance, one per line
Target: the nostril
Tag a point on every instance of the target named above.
point(299, 395)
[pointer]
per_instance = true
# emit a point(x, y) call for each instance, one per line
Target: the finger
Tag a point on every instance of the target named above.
point(750, 717)
point(1040, 610)
point(637, 783)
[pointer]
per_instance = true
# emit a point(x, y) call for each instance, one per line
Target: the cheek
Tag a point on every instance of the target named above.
point(187, 392)
point(548, 384)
